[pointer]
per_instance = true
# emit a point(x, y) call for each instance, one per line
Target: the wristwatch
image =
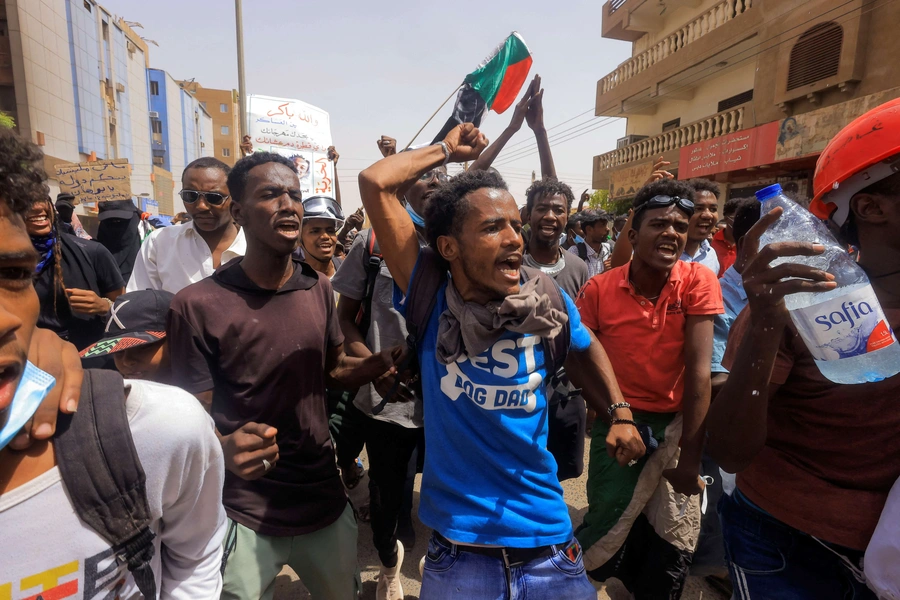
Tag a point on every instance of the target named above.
point(446, 150)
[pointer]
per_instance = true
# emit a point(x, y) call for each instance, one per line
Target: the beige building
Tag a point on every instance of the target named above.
point(222, 105)
point(746, 92)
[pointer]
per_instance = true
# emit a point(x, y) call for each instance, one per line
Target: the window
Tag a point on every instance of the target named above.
point(154, 88)
point(226, 152)
point(156, 125)
point(87, 5)
point(816, 55)
point(736, 100)
point(224, 129)
point(223, 108)
point(670, 125)
point(203, 104)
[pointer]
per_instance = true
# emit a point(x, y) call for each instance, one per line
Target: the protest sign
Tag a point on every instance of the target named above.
point(298, 131)
point(97, 181)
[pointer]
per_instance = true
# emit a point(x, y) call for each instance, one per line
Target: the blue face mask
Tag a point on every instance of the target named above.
point(33, 388)
point(416, 217)
point(579, 239)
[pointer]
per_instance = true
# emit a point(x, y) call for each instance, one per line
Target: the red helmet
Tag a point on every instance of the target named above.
point(864, 152)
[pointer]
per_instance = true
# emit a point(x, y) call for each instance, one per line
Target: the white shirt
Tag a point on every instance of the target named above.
point(44, 546)
point(706, 256)
point(594, 260)
point(172, 258)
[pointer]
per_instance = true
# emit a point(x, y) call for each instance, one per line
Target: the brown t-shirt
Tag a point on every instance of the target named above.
point(262, 353)
point(832, 451)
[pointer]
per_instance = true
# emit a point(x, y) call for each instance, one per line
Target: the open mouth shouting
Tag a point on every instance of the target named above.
point(667, 250)
point(509, 267)
point(288, 227)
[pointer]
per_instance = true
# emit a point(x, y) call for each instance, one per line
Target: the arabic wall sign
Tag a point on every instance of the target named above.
point(625, 182)
point(98, 181)
point(298, 131)
point(810, 132)
point(747, 148)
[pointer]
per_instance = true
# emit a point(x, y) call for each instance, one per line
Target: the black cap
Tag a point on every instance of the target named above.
point(136, 318)
point(116, 209)
point(65, 199)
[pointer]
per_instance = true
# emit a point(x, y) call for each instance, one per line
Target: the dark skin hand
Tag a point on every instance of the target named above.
point(387, 146)
point(88, 303)
point(354, 221)
point(60, 359)
point(585, 196)
point(736, 422)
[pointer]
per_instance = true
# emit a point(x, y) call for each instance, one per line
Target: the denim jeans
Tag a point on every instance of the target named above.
point(773, 561)
point(452, 573)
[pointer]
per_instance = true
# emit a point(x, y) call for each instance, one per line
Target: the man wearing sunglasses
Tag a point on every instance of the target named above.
point(172, 258)
point(657, 312)
point(322, 217)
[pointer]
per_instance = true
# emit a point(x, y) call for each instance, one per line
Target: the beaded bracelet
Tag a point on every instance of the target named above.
point(617, 406)
point(622, 422)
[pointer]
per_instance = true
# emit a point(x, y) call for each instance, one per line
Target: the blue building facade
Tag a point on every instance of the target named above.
point(159, 118)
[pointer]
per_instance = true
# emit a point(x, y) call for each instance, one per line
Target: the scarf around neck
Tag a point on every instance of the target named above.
point(43, 245)
point(470, 328)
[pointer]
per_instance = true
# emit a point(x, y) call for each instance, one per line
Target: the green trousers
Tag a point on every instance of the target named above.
point(325, 561)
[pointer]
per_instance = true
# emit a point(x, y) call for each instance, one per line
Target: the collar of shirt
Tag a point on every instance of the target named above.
point(232, 275)
point(237, 248)
point(733, 282)
point(720, 237)
point(674, 277)
point(705, 256)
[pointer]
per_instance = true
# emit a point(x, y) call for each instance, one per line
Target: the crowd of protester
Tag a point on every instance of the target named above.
point(237, 362)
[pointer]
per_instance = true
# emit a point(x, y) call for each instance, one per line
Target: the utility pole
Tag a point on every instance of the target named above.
point(242, 90)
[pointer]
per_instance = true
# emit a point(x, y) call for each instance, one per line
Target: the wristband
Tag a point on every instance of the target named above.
point(446, 150)
point(617, 406)
point(623, 422)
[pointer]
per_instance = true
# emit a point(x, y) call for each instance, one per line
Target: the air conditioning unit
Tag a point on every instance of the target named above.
point(629, 139)
point(203, 144)
point(112, 120)
point(131, 47)
point(153, 114)
point(120, 88)
point(158, 160)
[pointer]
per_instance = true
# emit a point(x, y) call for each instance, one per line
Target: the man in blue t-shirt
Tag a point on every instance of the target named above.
point(489, 488)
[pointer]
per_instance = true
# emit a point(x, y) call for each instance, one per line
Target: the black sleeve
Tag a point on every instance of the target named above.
point(109, 279)
point(189, 353)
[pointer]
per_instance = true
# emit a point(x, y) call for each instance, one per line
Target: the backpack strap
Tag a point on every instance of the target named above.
point(103, 474)
point(420, 300)
point(582, 251)
point(372, 266)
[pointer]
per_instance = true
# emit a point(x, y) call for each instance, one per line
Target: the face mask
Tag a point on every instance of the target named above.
point(416, 218)
point(579, 239)
point(33, 388)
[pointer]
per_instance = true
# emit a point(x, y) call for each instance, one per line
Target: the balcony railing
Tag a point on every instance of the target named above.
point(615, 5)
point(722, 123)
point(712, 19)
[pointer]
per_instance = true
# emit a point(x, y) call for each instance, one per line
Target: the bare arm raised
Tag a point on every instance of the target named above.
point(381, 186)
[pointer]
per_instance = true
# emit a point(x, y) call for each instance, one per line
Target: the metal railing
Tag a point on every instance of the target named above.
point(723, 123)
point(615, 5)
point(710, 20)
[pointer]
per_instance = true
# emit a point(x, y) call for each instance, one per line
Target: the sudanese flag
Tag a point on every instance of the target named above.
point(494, 85)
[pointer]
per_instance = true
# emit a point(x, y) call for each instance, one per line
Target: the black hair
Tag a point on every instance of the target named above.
point(237, 178)
point(22, 173)
point(621, 219)
point(705, 185)
point(206, 162)
point(731, 206)
point(592, 216)
point(747, 211)
point(447, 207)
point(573, 221)
point(663, 187)
point(547, 188)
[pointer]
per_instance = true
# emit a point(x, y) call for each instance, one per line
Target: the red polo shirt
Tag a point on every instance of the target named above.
point(726, 251)
point(645, 341)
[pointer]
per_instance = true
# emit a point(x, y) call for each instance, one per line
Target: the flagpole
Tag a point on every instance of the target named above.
point(433, 115)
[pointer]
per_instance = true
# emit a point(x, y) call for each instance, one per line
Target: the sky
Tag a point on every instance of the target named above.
point(382, 68)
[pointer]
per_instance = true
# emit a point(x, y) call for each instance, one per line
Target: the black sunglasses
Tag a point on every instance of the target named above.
point(212, 198)
point(442, 176)
point(685, 206)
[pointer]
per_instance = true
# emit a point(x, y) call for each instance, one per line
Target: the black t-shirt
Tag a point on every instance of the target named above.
point(262, 353)
point(86, 265)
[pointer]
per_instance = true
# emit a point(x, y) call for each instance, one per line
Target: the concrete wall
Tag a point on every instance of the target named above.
point(139, 107)
point(174, 124)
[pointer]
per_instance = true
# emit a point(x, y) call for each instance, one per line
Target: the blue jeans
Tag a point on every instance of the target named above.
point(773, 561)
point(452, 573)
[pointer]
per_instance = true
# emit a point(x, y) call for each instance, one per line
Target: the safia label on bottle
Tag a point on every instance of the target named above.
point(844, 327)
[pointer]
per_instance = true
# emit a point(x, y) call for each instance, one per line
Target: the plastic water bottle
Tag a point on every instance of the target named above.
point(845, 329)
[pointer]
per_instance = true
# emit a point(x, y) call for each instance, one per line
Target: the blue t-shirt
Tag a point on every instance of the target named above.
point(488, 477)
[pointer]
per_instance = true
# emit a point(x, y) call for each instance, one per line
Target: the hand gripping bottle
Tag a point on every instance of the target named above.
point(845, 329)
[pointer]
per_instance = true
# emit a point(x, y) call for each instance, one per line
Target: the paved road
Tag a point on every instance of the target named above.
point(288, 587)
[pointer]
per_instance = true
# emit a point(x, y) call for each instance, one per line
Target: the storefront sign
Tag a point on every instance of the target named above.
point(747, 148)
point(810, 132)
point(627, 181)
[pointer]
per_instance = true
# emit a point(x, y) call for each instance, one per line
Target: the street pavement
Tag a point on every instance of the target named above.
point(288, 587)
